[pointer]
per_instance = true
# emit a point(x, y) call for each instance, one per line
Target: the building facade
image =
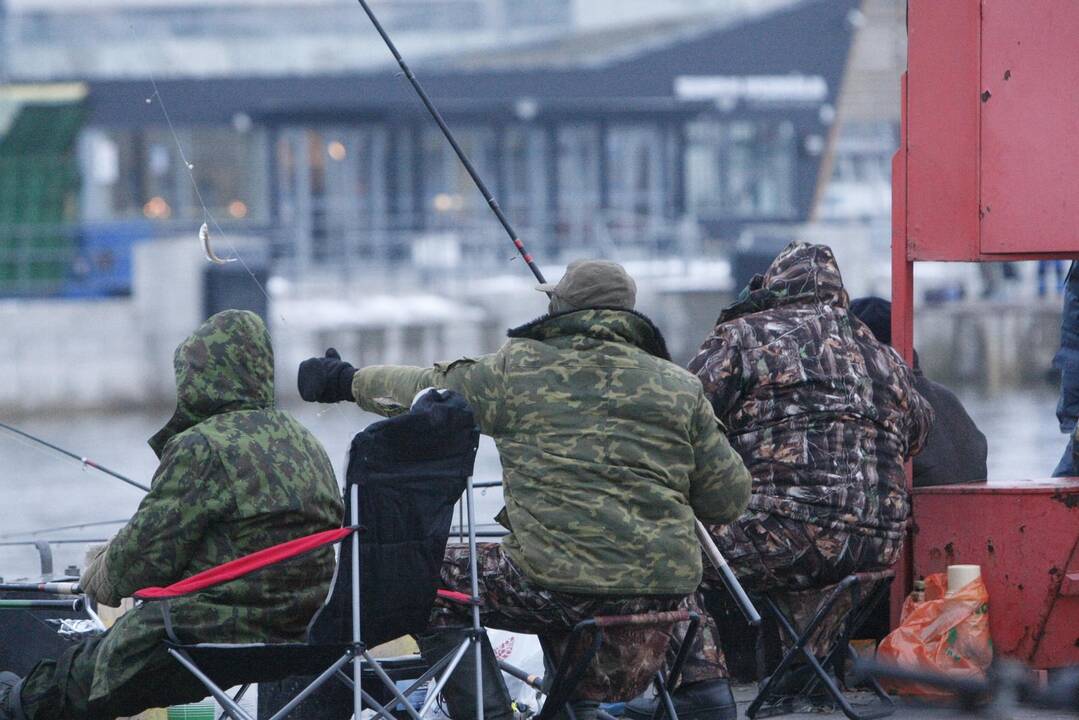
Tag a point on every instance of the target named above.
point(633, 142)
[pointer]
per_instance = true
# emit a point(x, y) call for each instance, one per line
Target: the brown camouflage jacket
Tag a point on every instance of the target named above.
point(608, 450)
point(822, 414)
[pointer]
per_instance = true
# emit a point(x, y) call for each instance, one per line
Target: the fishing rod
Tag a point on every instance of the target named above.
point(491, 201)
point(709, 547)
point(74, 605)
point(51, 588)
point(84, 460)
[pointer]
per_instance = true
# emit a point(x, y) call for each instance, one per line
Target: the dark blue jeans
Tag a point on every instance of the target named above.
point(1067, 360)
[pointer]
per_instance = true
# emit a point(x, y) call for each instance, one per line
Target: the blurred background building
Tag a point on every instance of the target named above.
point(690, 139)
point(664, 134)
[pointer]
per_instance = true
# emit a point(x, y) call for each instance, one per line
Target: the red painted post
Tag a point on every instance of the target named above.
point(902, 320)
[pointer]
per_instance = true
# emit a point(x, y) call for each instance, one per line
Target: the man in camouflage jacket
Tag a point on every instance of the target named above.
point(236, 476)
point(824, 416)
point(608, 451)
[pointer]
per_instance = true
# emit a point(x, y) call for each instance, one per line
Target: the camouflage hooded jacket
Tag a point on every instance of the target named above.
point(822, 413)
point(608, 450)
point(236, 476)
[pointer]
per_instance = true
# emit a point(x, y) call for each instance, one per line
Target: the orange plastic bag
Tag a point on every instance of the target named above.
point(945, 634)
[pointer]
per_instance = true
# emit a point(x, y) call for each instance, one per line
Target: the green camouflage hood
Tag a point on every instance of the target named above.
point(800, 274)
point(226, 365)
point(606, 324)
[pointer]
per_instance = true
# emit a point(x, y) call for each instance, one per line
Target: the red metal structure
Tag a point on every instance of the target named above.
point(988, 170)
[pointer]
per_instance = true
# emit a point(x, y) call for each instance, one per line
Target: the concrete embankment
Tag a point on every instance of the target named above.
point(58, 355)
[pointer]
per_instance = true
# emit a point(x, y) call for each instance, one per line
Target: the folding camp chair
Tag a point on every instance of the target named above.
point(587, 639)
point(854, 597)
point(585, 642)
point(405, 476)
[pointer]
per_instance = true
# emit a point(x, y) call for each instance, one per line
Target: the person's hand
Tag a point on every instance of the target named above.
point(94, 580)
point(326, 379)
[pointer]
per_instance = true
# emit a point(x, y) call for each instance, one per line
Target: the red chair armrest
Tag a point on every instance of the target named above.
point(456, 597)
point(245, 565)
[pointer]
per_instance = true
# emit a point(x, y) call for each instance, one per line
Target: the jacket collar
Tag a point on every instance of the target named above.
point(608, 324)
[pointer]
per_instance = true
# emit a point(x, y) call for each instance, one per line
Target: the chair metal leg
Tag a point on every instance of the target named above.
point(401, 698)
point(357, 638)
point(473, 571)
point(441, 682)
point(236, 699)
point(233, 710)
point(568, 676)
point(664, 684)
point(314, 685)
point(885, 707)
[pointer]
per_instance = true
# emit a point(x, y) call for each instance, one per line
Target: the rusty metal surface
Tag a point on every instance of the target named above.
point(1024, 534)
point(1029, 145)
point(989, 138)
point(1066, 490)
point(942, 130)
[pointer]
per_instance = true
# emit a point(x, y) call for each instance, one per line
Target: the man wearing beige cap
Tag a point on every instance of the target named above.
point(608, 451)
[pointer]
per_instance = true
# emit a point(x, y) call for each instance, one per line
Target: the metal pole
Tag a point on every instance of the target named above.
point(726, 574)
point(491, 202)
point(473, 571)
point(84, 460)
point(75, 605)
point(52, 588)
point(357, 638)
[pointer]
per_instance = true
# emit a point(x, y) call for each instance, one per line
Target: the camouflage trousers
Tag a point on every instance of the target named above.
point(795, 562)
point(63, 688)
point(628, 659)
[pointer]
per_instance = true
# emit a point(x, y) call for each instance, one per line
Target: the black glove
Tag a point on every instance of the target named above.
point(326, 379)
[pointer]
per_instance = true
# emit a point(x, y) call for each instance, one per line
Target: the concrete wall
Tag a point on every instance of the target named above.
point(58, 355)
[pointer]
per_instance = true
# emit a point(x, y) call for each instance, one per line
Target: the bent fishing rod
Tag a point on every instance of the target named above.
point(85, 461)
point(707, 544)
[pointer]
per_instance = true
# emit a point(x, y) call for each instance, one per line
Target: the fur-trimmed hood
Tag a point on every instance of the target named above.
point(610, 324)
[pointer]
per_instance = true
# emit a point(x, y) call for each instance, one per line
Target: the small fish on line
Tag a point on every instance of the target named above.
point(204, 238)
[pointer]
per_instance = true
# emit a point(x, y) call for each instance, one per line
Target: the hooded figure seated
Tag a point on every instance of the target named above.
point(608, 450)
point(955, 450)
point(236, 476)
point(824, 416)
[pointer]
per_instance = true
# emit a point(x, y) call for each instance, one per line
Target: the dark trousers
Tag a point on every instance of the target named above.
point(123, 672)
point(771, 553)
point(626, 663)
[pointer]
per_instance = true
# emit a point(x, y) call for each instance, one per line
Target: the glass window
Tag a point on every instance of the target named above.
point(578, 183)
point(524, 157)
point(451, 198)
point(741, 169)
point(142, 174)
point(635, 172)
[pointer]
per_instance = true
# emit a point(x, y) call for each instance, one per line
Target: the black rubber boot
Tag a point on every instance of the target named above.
point(460, 690)
point(706, 700)
point(10, 697)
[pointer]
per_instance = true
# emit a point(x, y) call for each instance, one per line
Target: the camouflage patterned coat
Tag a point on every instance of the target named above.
point(236, 476)
point(822, 413)
point(608, 449)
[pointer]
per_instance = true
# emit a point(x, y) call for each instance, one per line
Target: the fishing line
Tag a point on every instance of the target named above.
point(76, 526)
point(208, 216)
point(189, 166)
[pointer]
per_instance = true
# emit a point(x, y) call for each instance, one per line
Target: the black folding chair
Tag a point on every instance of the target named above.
point(864, 591)
point(404, 478)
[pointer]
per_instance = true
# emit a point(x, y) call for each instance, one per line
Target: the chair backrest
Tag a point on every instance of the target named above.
point(410, 470)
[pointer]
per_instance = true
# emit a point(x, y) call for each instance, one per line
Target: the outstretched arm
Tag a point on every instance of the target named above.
point(389, 389)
